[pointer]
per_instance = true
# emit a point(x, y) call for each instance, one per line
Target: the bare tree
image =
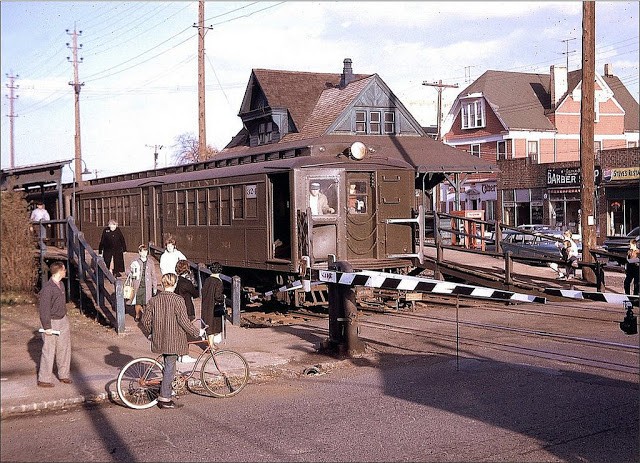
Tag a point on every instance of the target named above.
point(185, 149)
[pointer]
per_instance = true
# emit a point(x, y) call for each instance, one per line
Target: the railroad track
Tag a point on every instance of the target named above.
point(521, 330)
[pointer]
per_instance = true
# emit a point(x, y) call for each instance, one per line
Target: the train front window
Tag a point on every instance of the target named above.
point(323, 197)
point(357, 198)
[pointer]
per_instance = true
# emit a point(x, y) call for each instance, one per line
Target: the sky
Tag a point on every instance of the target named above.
point(139, 63)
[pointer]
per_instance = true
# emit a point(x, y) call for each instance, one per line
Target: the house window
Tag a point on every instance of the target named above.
point(389, 122)
point(632, 144)
point(501, 150)
point(475, 150)
point(265, 131)
point(532, 151)
point(374, 123)
point(361, 122)
point(473, 114)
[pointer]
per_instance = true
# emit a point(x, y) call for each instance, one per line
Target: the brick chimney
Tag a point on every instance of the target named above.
point(558, 85)
point(608, 70)
point(347, 73)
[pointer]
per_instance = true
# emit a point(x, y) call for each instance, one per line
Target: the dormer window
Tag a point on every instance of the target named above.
point(265, 131)
point(473, 114)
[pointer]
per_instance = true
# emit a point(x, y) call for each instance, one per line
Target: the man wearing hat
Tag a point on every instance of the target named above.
point(318, 201)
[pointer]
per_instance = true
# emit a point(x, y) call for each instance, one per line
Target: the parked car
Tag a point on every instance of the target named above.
point(620, 243)
point(540, 245)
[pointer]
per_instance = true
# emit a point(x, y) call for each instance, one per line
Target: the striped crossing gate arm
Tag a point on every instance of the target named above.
point(384, 280)
point(610, 298)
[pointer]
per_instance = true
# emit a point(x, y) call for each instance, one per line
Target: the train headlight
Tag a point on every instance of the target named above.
point(358, 150)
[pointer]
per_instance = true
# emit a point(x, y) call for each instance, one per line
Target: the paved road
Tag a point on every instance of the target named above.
point(408, 399)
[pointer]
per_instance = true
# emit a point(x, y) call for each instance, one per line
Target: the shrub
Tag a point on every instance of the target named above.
point(18, 267)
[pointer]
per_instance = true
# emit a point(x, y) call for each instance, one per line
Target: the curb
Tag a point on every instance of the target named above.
point(59, 404)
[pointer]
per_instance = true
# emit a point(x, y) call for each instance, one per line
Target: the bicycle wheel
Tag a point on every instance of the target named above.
point(224, 373)
point(138, 383)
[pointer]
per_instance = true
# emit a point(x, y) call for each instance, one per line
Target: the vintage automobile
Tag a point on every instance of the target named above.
point(620, 244)
point(545, 243)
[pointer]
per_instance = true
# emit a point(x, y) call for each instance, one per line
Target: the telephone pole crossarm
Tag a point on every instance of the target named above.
point(439, 85)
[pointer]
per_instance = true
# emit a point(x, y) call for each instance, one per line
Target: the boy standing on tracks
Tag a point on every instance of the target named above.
point(167, 321)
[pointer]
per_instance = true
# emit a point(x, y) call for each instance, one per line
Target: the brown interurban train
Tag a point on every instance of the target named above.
point(260, 211)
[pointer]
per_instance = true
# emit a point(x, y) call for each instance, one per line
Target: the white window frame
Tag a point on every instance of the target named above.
point(375, 122)
point(534, 155)
point(498, 152)
point(360, 122)
point(474, 149)
point(389, 122)
point(473, 114)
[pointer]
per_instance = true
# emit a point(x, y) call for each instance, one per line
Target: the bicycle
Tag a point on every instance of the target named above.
point(223, 373)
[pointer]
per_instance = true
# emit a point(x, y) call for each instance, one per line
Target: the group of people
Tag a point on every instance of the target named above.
point(166, 315)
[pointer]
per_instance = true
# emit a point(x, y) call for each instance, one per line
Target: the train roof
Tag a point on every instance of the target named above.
point(421, 154)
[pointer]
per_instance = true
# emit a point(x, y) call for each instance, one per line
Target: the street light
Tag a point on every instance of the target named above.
point(73, 195)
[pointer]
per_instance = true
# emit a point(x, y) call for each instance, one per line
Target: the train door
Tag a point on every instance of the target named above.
point(152, 213)
point(361, 216)
point(280, 225)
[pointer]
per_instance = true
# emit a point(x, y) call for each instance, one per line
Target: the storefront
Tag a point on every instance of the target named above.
point(563, 194)
point(477, 195)
point(622, 190)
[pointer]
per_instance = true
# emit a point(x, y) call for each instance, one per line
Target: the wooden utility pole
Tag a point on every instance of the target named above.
point(566, 41)
point(439, 85)
point(11, 116)
point(155, 154)
point(587, 125)
point(76, 89)
point(202, 127)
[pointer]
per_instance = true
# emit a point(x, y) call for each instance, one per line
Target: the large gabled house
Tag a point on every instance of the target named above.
point(530, 124)
point(285, 110)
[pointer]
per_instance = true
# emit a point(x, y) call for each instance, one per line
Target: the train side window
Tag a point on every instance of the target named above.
point(181, 208)
point(358, 198)
point(170, 207)
point(225, 205)
point(202, 206)
point(214, 206)
point(238, 201)
point(191, 207)
point(323, 197)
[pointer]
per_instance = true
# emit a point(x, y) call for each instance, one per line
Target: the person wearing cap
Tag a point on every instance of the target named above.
point(213, 303)
point(39, 213)
point(318, 201)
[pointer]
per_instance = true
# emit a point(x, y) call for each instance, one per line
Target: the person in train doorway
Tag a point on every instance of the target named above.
point(143, 276)
point(186, 288)
point(213, 308)
point(170, 256)
point(112, 247)
point(318, 201)
point(632, 269)
point(167, 324)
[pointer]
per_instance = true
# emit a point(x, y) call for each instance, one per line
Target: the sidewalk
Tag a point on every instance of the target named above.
point(98, 353)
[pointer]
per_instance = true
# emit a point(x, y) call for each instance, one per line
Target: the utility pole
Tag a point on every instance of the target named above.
point(156, 148)
point(76, 88)
point(439, 85)
point(202, 128)
point(11, 117)
point(566, 41)
point(587, 125)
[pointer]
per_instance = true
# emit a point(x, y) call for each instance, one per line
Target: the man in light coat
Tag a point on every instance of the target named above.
point(168, 324)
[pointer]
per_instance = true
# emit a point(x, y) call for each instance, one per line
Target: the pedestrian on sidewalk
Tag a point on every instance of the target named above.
point(186, 287)
point(170, 256)
point(213, 308)
point(57, 333)
point(143, 275)
point(632, 269)
point(569, 252)
point(167, 323)
point(113, 246)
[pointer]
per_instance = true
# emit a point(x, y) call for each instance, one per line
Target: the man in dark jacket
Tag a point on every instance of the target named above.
point(113, 246)
point(166, 320)
point(57, 334)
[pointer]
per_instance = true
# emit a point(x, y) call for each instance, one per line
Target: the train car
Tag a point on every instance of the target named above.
point(323, 165)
